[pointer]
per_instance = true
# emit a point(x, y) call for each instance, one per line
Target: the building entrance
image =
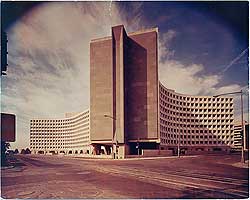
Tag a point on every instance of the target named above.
point(137, 147)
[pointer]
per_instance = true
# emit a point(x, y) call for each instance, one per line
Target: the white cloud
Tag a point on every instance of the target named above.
point(185, 79)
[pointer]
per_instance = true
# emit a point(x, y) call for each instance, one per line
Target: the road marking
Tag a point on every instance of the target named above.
point(186, 174)
point(60, 173)
point(83, 172)
point(151, 177)
point(25, 193)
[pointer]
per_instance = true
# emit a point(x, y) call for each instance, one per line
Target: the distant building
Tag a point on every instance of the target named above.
point(238, 135)
point(69, 135)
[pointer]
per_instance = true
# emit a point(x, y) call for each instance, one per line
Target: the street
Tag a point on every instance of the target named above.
point(204, 176)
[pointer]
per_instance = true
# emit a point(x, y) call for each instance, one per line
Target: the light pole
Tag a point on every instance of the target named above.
point(113, 136)
point(137, 146)
point(178, 150)
point(242, 121)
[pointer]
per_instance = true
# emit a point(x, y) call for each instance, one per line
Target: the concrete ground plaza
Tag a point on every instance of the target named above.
point(203, 176)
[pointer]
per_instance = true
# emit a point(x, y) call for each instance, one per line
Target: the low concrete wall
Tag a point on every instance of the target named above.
point(205, 152)
point(152, 153)
point(90, 156)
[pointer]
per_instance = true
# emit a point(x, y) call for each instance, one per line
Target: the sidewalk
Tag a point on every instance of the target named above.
point(7, 167)
point(138, 158)
point(242, 165)
point(12, 163)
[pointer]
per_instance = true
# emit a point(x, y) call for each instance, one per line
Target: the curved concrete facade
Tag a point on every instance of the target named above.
point(195, 122)
point(70, 135)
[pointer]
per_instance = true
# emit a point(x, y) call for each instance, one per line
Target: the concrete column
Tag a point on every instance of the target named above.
point(118, 76)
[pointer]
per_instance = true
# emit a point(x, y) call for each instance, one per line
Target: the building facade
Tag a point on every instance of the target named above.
point(70, 135)
point(238, 135)
point(124, 88)
point(195, 123)
point(132, 111)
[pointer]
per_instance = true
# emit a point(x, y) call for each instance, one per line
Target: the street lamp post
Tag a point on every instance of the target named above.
point(137, 146)
point(178, 149)
point(44, 139)
point(242, 121)
point(113, 137)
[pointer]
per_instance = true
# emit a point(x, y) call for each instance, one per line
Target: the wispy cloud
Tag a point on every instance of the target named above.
point(164, 45)
point(235, 60)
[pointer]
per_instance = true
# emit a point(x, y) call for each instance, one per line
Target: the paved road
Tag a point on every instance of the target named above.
point(67, 177)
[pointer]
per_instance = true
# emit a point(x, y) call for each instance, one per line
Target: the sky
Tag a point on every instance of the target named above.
point(203, 50)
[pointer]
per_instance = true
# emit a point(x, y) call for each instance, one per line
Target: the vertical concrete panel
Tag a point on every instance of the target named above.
point(101, 90)
point(142, 86)
point(118, 67)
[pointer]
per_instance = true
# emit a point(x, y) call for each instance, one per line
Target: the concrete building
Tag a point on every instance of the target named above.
point(132, 112)
point(238, 135)
point(124, 86)
point(195, 123)
point(130, 108)
point(69, 135)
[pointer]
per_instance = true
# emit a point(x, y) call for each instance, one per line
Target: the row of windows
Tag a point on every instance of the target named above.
point(214, 137)
point(56, 147)
point(194, 120)
point(60, 125)
point(60, 128)
point(57, 138)
point(198, 125)
point(71, 140)
point(40, 142)
point(65, 141)
point(187, 104)
point(52, 145)
point(82, 116)
point(60, 136)
point(75, 123)
point(198, 110)
point(171, 129)
point(82, 128)
point(174, 142)
point(58, 133)
point(168, 93)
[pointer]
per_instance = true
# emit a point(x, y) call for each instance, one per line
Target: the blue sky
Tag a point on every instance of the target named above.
point(203, 50)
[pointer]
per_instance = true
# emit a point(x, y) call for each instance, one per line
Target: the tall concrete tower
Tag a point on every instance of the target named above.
point(124, 91)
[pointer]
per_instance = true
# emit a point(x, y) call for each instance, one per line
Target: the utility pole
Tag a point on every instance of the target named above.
point(137, 146)
point(4, 52)
point(114, 142)
point(178, 150)
point(242, 129)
